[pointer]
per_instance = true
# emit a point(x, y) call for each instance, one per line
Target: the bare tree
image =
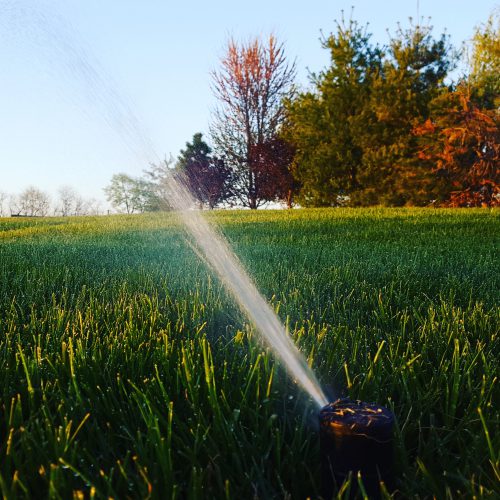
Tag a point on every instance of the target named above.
point(81, 206)
point(250, 86)
point(157, 176)
point(93, 207)
point(14, 205)
point(70, 202)
point(67, 199)
point(3, 199)
point(32, 202)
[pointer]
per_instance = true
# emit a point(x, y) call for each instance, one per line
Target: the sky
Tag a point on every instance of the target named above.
point(91, 88)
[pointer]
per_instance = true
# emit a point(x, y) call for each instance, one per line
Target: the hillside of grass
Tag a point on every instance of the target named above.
point(127, 371)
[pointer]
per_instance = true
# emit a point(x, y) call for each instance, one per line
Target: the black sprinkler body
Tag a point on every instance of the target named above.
point(355, 437)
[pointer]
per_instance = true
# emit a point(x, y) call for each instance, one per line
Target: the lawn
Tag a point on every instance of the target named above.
point(127, 371)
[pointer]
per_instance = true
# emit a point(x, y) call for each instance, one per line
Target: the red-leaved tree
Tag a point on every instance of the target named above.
point(270, 163)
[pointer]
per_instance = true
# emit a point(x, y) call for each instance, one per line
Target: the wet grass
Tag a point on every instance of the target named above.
point(126, 371)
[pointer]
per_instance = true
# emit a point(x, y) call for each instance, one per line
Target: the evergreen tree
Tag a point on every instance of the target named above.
point(353, 132)
point(207, 177)
point(324, 124)
point(412, 75)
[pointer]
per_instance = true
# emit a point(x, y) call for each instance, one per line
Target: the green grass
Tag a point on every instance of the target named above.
point(127, 371)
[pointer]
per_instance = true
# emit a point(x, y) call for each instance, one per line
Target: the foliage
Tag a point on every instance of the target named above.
point(460, 144)
point(324, 124)
point(127, 371)
point(352, 133)
point(207, 177)
point(413, 73)
point(250, 85)
point(484, 76)
point(271, 163)
point(130, 194)
point(157, 175)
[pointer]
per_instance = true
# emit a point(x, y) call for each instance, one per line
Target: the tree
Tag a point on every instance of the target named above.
point(32, 202)
point(3, 199)
point(67, 200)
point(413, 73)
point(271, 162)
point(484, 77)
point(460, 145)
point(129, 194)
point(92, 207)
point(207, 177)
point(158, 179)
point(250, 86)
point(324, 124)
point(352, 133)
point(72, 203)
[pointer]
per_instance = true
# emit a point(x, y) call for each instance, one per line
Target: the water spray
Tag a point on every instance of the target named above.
point(78, 62)
point(216, 251)
point(355, 437)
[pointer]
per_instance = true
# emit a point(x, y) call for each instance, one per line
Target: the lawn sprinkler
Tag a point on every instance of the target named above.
point(355, 437)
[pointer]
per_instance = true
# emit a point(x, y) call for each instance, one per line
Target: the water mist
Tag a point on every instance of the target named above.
point(355, 437)
point(49, 34)
point(222, 259)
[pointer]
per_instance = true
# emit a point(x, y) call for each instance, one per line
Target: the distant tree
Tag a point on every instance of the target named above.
point(158, 179)
point(484, 78)
point(67, 200)
point(129, 194)
point(32, 202)
point(324, 124)
point(3, 199)
point(93, 207)
point(81, 206)
point(250, 86)
point(460, 145)
point(207, 177)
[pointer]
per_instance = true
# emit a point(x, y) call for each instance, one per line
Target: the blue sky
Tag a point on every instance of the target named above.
point(158, 56)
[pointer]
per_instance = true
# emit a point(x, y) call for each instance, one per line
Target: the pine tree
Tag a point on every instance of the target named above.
point(324, 124)
point(207, 177)
point(412, 75)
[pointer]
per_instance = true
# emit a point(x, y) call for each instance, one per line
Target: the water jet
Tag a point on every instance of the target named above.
point(355, 437)
point(209, 243)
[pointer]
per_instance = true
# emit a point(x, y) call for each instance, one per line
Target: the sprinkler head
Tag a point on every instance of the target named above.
point(355, 437)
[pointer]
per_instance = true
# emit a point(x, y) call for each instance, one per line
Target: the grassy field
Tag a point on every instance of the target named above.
point(126, 370)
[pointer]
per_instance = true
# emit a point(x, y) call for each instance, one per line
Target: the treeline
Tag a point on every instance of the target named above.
point(378, 126)
point(34, 202)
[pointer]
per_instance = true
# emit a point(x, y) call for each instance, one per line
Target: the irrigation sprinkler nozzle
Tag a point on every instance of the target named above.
point(355, 437)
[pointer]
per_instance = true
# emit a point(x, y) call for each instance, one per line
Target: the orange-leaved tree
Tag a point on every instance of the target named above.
point(250, 86)
point(460, 145)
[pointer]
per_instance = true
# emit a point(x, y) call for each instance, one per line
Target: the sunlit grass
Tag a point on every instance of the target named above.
point(127, 371)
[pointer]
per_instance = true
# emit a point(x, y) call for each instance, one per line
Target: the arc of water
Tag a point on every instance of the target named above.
point(222, 259)
point(54, 34)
